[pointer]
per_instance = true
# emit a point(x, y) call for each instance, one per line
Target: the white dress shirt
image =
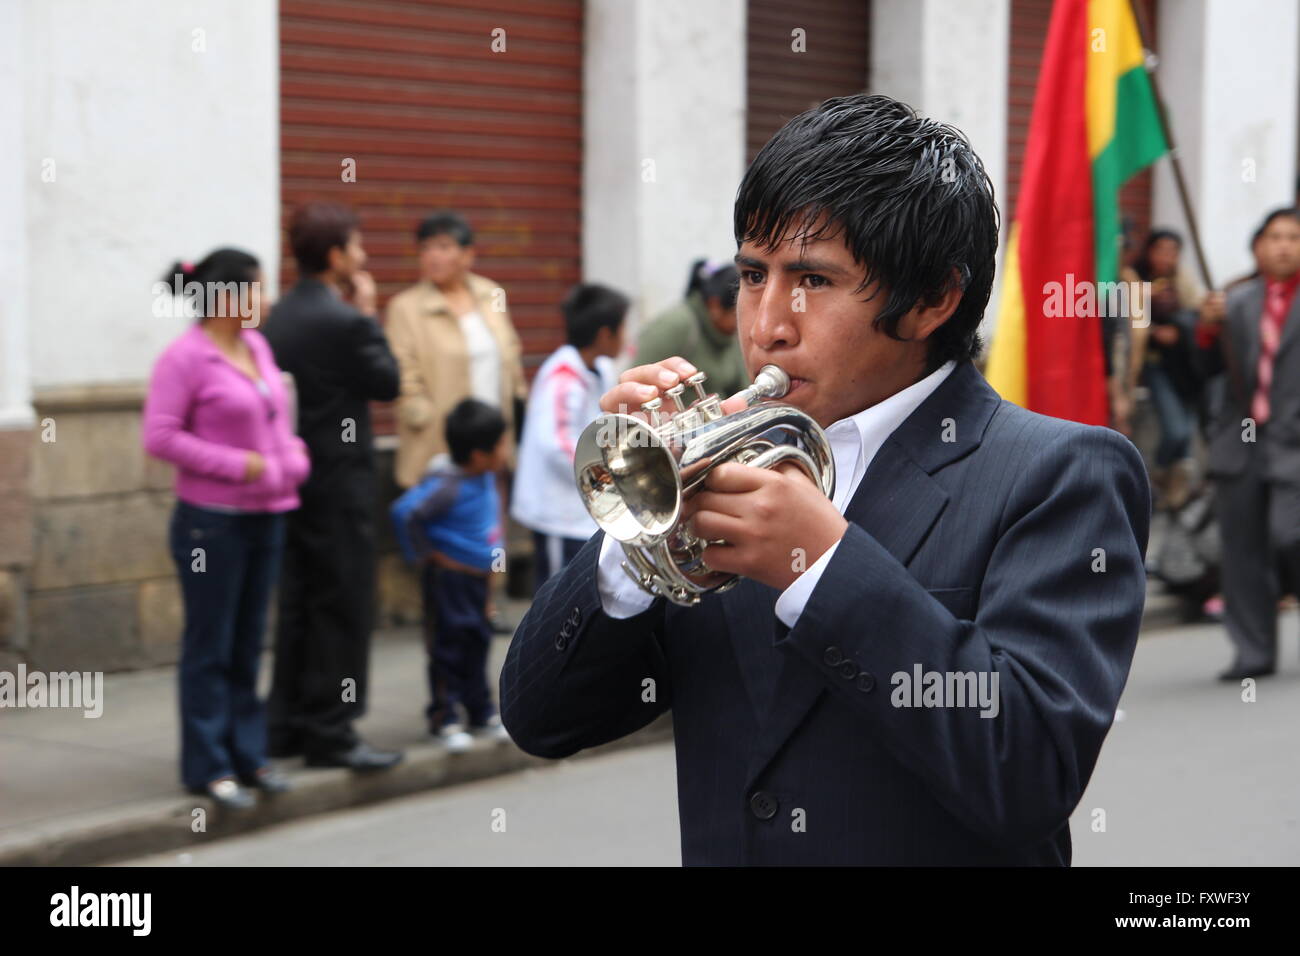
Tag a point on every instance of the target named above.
point(854, 442)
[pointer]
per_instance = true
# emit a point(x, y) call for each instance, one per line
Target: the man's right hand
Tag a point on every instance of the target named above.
point(1213, 308)
point(641, 384)
point(254, 466)
point(364, 294)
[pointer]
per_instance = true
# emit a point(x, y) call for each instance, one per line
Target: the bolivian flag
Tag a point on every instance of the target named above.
point(1094, 126)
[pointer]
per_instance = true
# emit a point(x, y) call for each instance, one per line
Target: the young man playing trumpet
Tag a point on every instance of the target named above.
point(922, 669)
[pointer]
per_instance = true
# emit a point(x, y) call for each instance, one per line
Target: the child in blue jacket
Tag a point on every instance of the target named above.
point(449, 525)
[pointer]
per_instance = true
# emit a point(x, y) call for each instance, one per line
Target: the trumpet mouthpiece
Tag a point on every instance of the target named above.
point(770, 382)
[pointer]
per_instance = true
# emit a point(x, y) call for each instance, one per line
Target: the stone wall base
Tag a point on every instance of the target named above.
point(86, 578)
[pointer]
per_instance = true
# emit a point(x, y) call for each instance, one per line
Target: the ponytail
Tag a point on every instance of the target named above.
point(714, 279)
point(696, 278)
point(223, 266)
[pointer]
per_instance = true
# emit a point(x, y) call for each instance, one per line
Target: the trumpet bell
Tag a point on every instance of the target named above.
point(628, 479)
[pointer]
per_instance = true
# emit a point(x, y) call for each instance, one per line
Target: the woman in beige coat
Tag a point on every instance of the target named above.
point(453, 339)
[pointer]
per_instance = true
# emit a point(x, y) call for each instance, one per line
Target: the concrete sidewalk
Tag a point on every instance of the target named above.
point(76, 791)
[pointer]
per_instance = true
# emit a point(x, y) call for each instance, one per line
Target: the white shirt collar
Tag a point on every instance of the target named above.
point(856, 439)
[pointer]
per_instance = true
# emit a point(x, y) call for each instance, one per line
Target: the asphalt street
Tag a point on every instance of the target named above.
point(1191, 774)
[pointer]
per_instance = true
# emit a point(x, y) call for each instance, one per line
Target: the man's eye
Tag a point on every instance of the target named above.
point(751, 277)
point(816, 281)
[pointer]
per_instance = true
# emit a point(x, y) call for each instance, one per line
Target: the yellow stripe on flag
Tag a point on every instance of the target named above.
point(1007, 370)
point(1113, 50)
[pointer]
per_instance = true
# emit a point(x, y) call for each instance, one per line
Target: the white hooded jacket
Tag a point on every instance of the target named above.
point(565, 398)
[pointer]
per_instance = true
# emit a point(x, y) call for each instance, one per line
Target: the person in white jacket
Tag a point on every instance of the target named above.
point(565, 398)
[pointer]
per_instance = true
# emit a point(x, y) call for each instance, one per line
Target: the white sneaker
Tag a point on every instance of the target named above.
point(492, 730)
point(454, 737)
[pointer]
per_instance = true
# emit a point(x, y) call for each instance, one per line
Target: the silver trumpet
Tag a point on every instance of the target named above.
point(635, 475)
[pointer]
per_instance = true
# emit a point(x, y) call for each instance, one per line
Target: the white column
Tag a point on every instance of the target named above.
point(1228, 76)
point(664, 128)
point(16, 178)
point(948, 59)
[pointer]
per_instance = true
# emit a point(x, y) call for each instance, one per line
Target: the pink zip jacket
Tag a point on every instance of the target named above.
point(204, 415)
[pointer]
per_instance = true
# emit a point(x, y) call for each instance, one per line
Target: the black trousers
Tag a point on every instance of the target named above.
point(457, 637)
point(326, 610)
point(1259, 524)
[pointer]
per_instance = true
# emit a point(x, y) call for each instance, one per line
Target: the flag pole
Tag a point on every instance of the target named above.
point(1149, 61)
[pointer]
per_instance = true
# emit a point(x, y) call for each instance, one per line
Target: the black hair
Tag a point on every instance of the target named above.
point(909, 196)
point(1283, 211)
point(445, 223)
point(1142, 264)
point(225, 266)
point(588, 308)
point(473, 426)
point(714, 281)
point(315, 229)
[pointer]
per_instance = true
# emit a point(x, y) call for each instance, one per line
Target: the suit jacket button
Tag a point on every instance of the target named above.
point(866, 683)
point(848, 670)
point(575, 617)
point(561, 640)
point(763, 805)
point(832, 656)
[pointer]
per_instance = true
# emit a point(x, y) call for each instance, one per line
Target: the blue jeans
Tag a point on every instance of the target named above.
point(1175, 415)
point(227, 565)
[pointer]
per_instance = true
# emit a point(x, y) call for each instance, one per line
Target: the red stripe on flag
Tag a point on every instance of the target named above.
point(1063, 353)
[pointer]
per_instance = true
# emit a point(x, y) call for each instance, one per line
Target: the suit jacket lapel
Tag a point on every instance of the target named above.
point(1247, 336)
point(897, 503)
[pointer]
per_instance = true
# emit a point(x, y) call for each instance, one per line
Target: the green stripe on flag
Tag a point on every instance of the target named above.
point(1137, 143)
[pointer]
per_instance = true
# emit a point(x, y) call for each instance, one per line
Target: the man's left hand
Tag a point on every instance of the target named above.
point(776, 522)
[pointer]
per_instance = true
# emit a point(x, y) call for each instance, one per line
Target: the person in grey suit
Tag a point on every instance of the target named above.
point(1255, 444)
point(921, 669)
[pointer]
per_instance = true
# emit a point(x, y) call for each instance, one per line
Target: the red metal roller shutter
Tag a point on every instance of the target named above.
point(783, 83)
point(1029, 19)
point(413, 92)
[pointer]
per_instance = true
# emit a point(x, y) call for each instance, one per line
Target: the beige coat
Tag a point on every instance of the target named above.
point(430, 349)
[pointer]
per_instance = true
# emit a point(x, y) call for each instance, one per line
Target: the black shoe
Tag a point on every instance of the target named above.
point(268, 780)
point(1235, 674)
point(362, 756)
point(227, 793)
point(282, 747)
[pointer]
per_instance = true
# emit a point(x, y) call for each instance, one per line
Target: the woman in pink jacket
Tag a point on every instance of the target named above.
point(217, 410)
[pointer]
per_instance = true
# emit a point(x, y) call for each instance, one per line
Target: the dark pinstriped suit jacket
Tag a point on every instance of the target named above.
point(971, 555)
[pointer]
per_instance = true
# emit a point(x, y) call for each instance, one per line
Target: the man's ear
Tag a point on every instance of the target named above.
point(920, 323)
point(335, 256)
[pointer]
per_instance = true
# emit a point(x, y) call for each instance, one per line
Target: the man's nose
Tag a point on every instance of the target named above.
point(774, 326)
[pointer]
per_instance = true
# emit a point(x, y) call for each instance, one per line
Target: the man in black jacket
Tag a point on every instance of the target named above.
point(921, 669)
point(324, 333)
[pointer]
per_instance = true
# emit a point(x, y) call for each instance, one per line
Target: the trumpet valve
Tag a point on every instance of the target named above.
point(675, 393)
point(697, 382)
point(651, 408)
